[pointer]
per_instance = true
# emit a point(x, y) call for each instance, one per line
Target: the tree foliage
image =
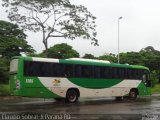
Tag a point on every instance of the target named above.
point(62, 51)
point(12, 40)
point(4, 68)
point(12, 43)
point(132, 58)
point(109, 57)
point(147, 56)
point(89, 56)
point(55, 18)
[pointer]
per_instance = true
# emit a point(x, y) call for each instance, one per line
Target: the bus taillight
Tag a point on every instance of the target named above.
point(17, 83)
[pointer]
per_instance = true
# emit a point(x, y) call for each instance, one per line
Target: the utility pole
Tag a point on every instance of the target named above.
point(118, 38)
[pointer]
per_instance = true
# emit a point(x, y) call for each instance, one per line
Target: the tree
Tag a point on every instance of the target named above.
point(152, 57)
point(55, 18)
point(109, 57)
point(88, 56)
point(132, 58)
point(62, 51)
point(4, 68)
point(150, 49)
point(12, 40)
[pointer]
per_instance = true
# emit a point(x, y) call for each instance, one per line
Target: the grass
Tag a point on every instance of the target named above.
point(156, 89)
point(4, 90)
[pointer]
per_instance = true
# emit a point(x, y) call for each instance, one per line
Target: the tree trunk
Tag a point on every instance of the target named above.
point(45, 42)
point(46, 47)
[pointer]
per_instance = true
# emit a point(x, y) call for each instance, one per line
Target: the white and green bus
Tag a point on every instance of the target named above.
point(74, 78)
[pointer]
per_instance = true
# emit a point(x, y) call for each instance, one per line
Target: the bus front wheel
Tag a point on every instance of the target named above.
point(133, 94)
point(71, 96)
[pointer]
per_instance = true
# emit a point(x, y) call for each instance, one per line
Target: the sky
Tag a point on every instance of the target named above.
point(139, 27)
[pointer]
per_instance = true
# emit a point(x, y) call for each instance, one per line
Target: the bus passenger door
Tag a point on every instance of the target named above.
point(147, 82)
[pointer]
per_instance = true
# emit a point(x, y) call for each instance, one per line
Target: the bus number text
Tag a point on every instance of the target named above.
point(29, 80)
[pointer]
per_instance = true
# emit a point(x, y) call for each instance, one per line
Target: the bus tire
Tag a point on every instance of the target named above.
point(71, 96)
point(133, 94)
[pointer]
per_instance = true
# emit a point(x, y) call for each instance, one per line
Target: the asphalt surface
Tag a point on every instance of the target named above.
point(144, 108)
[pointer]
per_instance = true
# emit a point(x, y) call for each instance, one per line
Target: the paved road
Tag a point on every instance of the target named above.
point(144, 108)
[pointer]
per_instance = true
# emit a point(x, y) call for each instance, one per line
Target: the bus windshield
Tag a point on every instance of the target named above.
point(14, 65)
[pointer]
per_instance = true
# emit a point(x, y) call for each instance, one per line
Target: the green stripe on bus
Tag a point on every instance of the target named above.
point(95, 83)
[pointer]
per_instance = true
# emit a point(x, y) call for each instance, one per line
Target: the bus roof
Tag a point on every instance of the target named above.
point(81, 61)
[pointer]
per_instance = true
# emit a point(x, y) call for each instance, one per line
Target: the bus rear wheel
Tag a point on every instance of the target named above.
point(71, 96)
point(133, 94)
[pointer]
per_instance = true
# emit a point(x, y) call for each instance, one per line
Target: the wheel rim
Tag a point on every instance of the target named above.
point(72, 97)
point(133, 95)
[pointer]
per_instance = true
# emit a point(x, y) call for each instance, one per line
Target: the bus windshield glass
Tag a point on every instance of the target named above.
point(14, 65)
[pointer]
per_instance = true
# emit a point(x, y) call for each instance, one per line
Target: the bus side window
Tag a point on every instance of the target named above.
point(105, 72)
point(121, 73)
point(129, 73)
point(31, 68)
point(114, 72)
point(77, 71)
point(68, 70)
point(96, 72)
point(136, 74)
point(126, 73)
point(55, 69)
point(140, 74)
point(60, 70)
point(87, 71)
point(46, 69)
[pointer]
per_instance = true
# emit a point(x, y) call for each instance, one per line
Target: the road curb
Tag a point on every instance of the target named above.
point(9, 97)
point(156, 95)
